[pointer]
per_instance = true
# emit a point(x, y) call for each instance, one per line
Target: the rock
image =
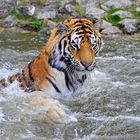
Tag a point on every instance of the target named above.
point(10, 21)
point(66, 9)
point(138, 9)
point(45, 32)
point(105, 24)
point(129, 25)
point(6, 6)
point(135, 37)
point(123, 14)
point(104, 7)
point(69, 8)
point(51, 24)
point(90, 4)
point(46, 13)
point(22, 23)
point(84, 2)
point(52, 2)
point(23, 2)
point(94, 12)
point(64, 2)
point(26, 25)
point(122, 4)
point(102, 24)
point(111, 30)
point(138, 2)
point(1, 30)
point(27, 10)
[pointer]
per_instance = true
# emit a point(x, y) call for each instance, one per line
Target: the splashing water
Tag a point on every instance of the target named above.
point(107, 107)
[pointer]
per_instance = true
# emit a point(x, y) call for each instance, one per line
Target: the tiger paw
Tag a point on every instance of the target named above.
point(52, 115)
point(46, 109)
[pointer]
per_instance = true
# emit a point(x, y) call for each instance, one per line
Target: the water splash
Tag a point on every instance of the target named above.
point(1, 115)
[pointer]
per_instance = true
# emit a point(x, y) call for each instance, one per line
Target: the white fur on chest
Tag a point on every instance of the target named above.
point(59, 81)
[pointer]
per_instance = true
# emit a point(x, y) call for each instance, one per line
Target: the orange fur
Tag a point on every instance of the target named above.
point(34, 77)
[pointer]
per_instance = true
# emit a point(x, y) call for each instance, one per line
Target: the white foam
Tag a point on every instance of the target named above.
point(104, 118)
point(121, 117)
point(118, 84)
point(45, 108)
point(2, 99)
point(71, 118)
point(119, 58)
point(97, 75)
point(113, 58)
point(27, 135)
point(14, 89)
point(4, 73)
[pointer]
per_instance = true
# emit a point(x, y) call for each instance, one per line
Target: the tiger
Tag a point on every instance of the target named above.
point(66, 59)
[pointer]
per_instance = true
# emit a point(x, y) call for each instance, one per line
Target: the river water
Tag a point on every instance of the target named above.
point(106, 108)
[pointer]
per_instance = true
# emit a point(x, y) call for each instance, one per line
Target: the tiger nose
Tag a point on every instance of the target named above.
point(86, 64)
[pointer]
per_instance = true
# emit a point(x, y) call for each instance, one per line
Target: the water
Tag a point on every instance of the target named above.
point(106, 108)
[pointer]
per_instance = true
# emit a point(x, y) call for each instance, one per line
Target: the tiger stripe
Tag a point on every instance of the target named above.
point(53, 84)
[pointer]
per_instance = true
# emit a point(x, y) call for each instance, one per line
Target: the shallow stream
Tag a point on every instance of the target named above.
point(106, 108)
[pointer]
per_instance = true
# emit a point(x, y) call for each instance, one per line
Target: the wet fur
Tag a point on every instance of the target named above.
point(42, 72)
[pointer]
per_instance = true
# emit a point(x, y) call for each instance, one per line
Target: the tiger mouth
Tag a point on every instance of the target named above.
point(86, 69)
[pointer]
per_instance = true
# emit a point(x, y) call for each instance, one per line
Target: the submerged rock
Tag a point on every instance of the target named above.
point(123, 14)
point(129, 25)
point(10, 21)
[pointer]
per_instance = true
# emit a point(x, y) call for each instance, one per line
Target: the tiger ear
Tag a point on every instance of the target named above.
point(69, 22)
point(61, 28)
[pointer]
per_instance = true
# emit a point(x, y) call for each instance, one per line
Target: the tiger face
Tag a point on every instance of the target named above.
point(78, 47)
point(82, 50)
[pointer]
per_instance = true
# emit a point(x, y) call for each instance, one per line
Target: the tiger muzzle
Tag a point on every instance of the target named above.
point(89, 66)
point(86, 64)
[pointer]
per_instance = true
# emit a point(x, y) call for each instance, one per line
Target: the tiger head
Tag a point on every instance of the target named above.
point(77, 47)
